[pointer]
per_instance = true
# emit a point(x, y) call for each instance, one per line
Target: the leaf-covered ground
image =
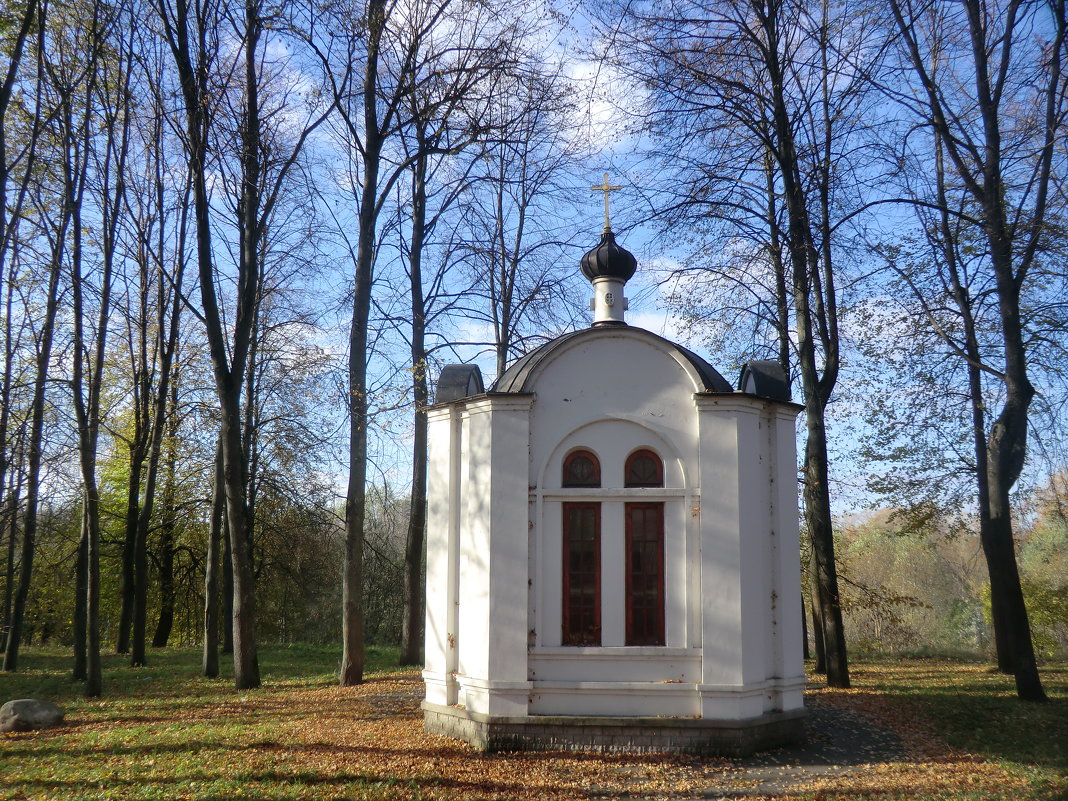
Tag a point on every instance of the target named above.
point(908, 729)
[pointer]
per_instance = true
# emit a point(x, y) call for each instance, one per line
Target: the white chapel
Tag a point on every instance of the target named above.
point(612, 546)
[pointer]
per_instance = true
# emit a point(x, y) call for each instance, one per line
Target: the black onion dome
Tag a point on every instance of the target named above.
point(609, 260)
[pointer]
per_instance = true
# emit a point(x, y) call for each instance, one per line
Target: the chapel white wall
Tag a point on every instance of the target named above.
point(732, 606)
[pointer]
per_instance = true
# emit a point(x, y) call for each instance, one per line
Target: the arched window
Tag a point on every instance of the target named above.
point(644, 469)
point(581, 469)
point(644, 550)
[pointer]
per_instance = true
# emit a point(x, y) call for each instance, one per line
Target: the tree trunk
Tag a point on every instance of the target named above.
point(356, 494)
point(75, 129)
point(411, 631)
point(228, 360)
point(94, 674)
point(977, 403)
point(821, 534)
point(227, 573)
point(91, 514)
point(1000, 598)
point(509, 263)
point(12, 526)
point(87, 392)
point(817, 627)
point(139, 622)
point(81, 592)
point(165, 621)
point(250, 430)
point(1006, 454)
point(778, 266)
point(411, 638)
point(246, 659)
point(10, 214)
point(210, 665)
point(167, 527)
point(129, 545)
point(235, 464)
point(1005, 582)
point(35, 449)
point(808, 303)
point(144, 364)
point(157, 426)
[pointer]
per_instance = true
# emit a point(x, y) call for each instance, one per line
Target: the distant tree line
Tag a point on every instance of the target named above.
point(297, 567)
point(924, 592)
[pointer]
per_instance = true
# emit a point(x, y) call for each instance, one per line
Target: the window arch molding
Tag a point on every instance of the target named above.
point(611, 440)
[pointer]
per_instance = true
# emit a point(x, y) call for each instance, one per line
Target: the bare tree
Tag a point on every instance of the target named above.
point(764, 105)
point(156, 236)
point(447, 120)
point(56, 234)
point(263, 174)
point(107, 91)
point(515, 232)
point(367, 128)
point(190, 35)
point(16, 160)
point(403, 65)
point(990, 86)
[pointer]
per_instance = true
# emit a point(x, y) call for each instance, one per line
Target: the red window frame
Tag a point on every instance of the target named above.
point(581, 622)
point(631, 478)
point(645, 573)
point(568, 479)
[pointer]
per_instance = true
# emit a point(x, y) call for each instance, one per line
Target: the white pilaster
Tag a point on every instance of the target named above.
point(790, 666)
point(493, 556)
point(443, 493)
point(734, 522)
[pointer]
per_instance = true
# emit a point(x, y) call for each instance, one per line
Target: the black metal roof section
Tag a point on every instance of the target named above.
point(765, 377)
point(458, 381)
point(609, 260)
point(515, 378)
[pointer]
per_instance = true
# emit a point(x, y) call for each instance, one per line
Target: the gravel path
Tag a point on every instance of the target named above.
point(840, 742)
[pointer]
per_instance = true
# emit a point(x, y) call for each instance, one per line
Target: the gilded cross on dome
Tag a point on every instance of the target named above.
point(606, 189)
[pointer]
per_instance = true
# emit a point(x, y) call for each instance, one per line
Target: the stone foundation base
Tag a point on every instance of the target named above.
point(611, 734)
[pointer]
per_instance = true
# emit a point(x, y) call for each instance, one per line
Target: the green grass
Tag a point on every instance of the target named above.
point(975, 709)
point(162, 731)
point(165, 732)
point(45, 672)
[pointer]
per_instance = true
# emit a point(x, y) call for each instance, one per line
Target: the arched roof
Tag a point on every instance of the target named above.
point(517, 377)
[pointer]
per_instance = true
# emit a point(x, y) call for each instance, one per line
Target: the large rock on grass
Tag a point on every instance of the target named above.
point(25, 714)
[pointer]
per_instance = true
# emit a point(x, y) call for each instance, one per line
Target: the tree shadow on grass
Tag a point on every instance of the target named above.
point(1000, 728)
